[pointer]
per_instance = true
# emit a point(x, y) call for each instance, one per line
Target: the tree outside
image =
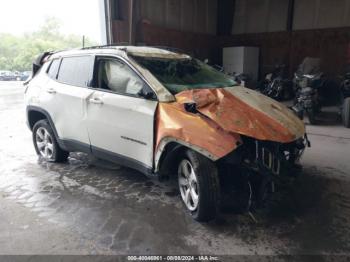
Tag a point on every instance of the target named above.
point(18, 52)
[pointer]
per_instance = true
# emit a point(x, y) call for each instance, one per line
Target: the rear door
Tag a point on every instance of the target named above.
point(120, 120)
point(65, 95)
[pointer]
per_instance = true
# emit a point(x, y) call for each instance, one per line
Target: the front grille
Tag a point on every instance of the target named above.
point(271, 157)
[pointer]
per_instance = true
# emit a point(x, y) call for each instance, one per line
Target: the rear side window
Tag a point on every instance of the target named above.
point(53, 69)
point(76, 71)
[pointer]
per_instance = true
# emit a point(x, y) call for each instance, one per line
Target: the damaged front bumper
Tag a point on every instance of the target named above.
point(268, 158)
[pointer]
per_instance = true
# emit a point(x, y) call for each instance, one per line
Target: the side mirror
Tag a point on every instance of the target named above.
point(146, 93)
point(191, 108)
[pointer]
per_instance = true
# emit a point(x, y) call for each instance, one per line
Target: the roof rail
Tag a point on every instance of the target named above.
point(168, 48)
point(105, 46)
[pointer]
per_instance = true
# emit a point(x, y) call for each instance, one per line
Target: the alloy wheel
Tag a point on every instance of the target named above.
point(44, 143)
point(188, 185)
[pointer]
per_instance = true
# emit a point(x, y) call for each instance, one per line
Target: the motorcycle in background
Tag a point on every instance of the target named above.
point(345, 98)
point(241, 79)
point(308, 81)
point(276, 86)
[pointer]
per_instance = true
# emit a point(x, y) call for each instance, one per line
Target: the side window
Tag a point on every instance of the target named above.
point(75, 70)
point(118, 77)
point(53, 69)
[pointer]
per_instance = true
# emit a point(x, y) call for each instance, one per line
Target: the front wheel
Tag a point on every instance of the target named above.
point(199, 185)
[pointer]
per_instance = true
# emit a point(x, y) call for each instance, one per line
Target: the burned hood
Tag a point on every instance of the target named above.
point(246, 112)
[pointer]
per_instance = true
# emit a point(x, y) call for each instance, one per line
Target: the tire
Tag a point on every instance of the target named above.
point(288, 93)
point(346, 112)
point(235, 191)
point(261, 189)
point(199, 175)
point(312, 116)
point(45, 143)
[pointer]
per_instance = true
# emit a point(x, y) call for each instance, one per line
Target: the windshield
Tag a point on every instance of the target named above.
point(178, 75)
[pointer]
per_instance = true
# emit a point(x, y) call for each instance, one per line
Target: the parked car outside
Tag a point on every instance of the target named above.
point(163, 113)
point(7, 76)
point(25, 75)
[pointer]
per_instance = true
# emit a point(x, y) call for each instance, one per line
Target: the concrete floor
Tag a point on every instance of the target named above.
point(88, 206)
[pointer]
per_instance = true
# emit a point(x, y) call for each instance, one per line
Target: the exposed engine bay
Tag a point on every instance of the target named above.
point(251, 171)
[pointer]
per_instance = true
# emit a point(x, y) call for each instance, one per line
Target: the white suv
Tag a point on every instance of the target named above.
point(163, 113)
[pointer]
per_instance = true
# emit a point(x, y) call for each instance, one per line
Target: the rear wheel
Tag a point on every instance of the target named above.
point(199, 185)
point(45, 143)
point(346, 112)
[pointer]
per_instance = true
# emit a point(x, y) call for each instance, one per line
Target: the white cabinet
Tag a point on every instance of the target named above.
point(242, 59)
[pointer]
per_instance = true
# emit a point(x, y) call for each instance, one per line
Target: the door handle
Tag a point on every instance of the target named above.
point(51, 91)
point(96, 101)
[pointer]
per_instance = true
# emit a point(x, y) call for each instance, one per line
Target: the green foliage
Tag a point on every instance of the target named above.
point(18, 52)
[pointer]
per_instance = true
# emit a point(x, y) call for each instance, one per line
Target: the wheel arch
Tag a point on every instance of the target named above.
point(35, 114)
point(168, 152)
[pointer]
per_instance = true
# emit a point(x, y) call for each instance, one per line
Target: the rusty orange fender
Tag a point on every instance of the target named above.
point(175, 124)
point(243, 111)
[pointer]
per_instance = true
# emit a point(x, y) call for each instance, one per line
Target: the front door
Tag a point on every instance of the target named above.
point(120, 121)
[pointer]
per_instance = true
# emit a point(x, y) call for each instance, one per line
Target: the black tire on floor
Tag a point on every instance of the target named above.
point(208, 186)
point(346, 112)
point(312, 116)
point(288, 93)
point(58, 154)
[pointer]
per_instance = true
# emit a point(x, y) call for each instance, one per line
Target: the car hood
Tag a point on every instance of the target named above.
point(246, 112)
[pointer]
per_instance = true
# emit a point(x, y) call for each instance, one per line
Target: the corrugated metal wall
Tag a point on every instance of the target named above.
point(191, 25)
point(259, 16)
point(199, 45)
point(318, 14)
point(198, 16)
